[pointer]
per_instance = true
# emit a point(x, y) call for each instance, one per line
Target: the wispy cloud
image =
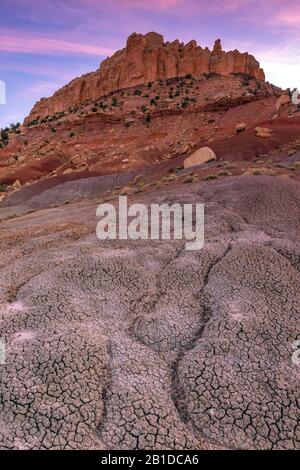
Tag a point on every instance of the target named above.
point(14, 41)
point(288, 18)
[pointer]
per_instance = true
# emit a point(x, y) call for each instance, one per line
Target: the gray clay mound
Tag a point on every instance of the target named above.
point(143, 345)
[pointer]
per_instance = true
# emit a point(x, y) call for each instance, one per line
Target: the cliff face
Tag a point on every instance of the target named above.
point(147, 59)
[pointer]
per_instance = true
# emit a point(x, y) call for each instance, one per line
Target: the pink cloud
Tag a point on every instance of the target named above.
point(288, 18)
point(142, 4)
point(12, 41)
point(188, 7)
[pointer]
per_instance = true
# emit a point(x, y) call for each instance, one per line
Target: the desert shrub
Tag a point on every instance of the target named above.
point(185, 102)
point(14, 127)
point(245, 82)
point(257, 172)
point(224, 173)
point(210, 177)
point(4, 135)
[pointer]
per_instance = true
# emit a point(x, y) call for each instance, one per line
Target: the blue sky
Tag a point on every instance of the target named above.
point(45, 44)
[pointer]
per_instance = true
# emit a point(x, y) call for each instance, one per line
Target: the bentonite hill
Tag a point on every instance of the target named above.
point(142, 344)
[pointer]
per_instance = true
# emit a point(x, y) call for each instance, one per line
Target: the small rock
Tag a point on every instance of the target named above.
point(241, 127)
point(68, 171)
point(129, 121)
point(16, 185)
point(126, 190)
point(126, 160)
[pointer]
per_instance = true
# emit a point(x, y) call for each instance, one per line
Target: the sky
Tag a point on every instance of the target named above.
point(47, 43)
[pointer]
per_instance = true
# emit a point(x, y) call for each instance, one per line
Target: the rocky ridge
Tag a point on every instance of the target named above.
point(147, 58)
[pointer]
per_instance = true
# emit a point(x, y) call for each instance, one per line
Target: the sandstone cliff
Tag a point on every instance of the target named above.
point(146, 58)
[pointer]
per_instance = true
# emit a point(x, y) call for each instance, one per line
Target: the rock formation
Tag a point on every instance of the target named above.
point(146, 58)
point(201, 156)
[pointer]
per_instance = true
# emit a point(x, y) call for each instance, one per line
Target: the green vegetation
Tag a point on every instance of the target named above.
point(185, 102)
point(102, 105)
point(245, 82)
point(5, 133)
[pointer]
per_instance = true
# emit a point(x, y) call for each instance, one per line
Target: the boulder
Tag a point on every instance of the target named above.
point(263, 132)
point(201, 156)
point(284, 99)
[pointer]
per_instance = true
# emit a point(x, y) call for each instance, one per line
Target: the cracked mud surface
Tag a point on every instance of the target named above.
point(143, 345)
